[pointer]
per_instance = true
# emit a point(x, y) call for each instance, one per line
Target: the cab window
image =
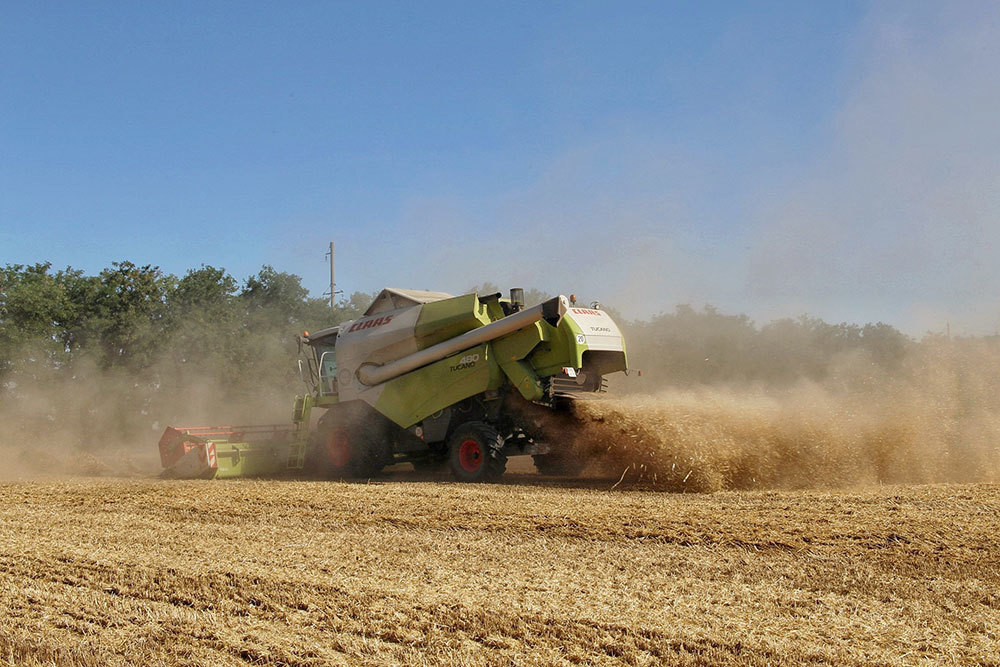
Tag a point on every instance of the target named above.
point(327, 369)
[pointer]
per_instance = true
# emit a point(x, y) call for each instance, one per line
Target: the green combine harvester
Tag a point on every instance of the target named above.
point(424, 378)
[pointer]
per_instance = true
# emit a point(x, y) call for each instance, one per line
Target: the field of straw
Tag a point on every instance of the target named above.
point(406, 570)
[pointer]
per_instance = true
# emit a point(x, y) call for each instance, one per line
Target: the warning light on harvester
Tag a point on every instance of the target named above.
point(572, 299)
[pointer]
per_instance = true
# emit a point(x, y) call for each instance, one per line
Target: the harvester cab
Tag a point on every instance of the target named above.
point(434, 380)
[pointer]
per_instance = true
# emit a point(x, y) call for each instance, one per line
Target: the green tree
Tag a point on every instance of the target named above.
point(317, 313)
point(275, 308)
point(204, 319)
point(278, 295)
point(120, 316)
point(886, 344)
point(692, 347)
point(204, 288)
point(33, 307)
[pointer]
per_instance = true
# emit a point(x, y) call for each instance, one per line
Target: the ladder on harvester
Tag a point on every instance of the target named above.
point(300, 417)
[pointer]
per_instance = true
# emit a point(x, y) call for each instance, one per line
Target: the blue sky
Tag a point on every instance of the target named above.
point(775, 158)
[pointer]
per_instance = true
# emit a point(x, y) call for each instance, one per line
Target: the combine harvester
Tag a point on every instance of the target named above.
point(425, 378)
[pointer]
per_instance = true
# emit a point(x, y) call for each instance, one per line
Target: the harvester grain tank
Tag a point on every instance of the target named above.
point(425, 378)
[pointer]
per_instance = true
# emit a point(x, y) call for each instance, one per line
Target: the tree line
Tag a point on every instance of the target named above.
point(130, 317)
point(103, 356)
point(132, 343)
point(690, 347)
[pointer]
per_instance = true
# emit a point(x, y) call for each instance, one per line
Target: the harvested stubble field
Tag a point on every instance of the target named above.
point(411, 571)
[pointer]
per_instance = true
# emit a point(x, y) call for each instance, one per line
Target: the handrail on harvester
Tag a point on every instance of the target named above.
point(203, 431)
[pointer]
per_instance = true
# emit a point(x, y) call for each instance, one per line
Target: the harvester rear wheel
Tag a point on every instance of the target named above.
point(475, 453)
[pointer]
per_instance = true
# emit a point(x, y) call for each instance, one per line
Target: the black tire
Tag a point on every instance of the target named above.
point(475, 453)
point(559, 465)
point(347, 445)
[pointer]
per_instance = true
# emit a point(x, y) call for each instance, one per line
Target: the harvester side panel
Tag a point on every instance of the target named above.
point(511, 352)
point(373, 339)
point(446, 319)
point(415, 396)
point(599, 330)
point(372, 374)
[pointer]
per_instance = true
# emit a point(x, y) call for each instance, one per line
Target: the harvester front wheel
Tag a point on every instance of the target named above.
point(340, 450)
point(475, 453)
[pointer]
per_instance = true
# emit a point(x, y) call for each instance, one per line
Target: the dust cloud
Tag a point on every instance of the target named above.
point(935, 419)
point(92, 421)
point(932, 417)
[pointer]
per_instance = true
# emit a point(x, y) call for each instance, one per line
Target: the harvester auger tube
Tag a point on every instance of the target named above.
point(551, 311)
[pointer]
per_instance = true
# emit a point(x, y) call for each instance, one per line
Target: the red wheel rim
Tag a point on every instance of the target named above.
point(338, 447)
point(470, 456)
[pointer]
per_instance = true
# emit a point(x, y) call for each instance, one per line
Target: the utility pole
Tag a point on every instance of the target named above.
point(333, 283)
